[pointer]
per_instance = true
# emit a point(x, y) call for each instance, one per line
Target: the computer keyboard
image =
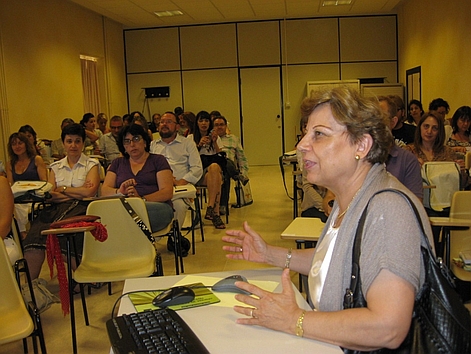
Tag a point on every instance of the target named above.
point(153, 331)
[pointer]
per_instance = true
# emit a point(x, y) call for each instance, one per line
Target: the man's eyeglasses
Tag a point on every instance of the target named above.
point(167, 121)
point(118, 128)
point(219, 124)
point(134, 139)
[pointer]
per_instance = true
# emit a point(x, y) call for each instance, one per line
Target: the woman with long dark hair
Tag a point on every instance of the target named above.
point(208, 144)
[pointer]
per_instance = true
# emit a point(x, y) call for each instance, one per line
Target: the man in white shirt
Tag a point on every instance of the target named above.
point(181, 154)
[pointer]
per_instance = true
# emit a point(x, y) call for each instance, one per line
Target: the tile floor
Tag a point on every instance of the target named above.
point(270, 213)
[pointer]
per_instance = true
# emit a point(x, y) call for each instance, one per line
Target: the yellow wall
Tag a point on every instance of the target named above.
point(436, 35)
point(41, 43)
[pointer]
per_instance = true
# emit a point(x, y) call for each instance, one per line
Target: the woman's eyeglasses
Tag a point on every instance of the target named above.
point(134, 139)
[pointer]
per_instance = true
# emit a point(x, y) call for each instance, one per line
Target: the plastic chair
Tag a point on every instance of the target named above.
point(15, 320)
point(127, 253)
point(460, 239)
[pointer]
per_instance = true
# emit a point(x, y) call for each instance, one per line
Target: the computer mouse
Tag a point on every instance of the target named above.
point(174, 296)
point(227, 285)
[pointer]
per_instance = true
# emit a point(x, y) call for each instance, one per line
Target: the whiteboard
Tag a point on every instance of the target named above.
point(375, 90)
point(321, 85)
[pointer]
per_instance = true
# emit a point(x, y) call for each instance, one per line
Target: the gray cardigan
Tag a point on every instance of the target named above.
point(391, 239)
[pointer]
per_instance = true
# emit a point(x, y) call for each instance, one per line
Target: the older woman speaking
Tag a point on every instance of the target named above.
point(344, 150)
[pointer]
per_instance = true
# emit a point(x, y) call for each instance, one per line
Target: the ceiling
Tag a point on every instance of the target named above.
point(140, 13)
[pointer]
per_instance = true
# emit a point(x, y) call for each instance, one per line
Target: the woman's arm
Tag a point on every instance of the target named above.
point(41, 168)
point(9, 172)
point(89, 188)
point(383, 324)
point(165, 183)
point(255, 249)
point(6, 203)
point(109, 184)
point(92, 135)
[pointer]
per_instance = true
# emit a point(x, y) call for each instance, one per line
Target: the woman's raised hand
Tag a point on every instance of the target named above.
point(247, 245)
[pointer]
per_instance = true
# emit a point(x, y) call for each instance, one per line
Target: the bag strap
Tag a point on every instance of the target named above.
point(353, 294)
point(137, 219)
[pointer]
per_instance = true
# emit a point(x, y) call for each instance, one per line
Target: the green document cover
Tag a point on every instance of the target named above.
point(203, 296)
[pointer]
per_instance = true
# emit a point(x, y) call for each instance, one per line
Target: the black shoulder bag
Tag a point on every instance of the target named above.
point(440, 321)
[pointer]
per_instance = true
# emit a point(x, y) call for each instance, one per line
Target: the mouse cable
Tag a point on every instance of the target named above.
point(149, 291)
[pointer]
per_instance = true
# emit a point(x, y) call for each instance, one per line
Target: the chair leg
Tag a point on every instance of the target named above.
point(21, 266)
point(177, 236)
point(193, 247)
point(198, 214)
point(109, 289)
point(159, 268)
point(82, 286)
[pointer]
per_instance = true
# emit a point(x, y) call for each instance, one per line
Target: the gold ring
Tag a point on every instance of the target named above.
point(240, 249)
point(251, 313)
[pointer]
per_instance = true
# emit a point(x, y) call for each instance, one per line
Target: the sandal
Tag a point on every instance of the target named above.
point(217, 222)
point(209, 213)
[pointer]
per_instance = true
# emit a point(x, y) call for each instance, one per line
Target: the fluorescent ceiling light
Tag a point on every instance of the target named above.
point(168, 13)
point(336, 2)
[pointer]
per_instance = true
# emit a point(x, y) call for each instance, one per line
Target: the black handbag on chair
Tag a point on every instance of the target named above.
point(440, 321)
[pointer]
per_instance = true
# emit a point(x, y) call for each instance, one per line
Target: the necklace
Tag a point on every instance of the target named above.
point(340, 216)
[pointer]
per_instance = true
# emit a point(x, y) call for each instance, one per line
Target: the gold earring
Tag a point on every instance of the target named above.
point(357, 157)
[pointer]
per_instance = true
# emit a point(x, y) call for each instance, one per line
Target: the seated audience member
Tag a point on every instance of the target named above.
point(57, 148)
point(187, 123)
point(141, 120)
point(102, 121)
point(38, 144)
point(415, 112)
point(403, 133)
point(141, 174)
point(429, 143)
point(401, 163)
point(6, 203)
point(209, 145)
point(440, 106)
point(237, 165)
point(344, 150)
point(429, 146)
point(108, 143)
point(92, 134)
point(24, 165)
point(73, 178)
point(127, 119)
point(178, 111)
point(182, 156)
point(461, 125)
point(154, 125)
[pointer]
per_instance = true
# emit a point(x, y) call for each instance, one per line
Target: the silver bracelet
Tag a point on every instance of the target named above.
point(288, 258)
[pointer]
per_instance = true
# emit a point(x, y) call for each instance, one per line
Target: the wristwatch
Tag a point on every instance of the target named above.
point(64, 188)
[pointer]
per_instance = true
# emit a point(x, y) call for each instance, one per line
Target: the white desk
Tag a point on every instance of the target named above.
point(303, 229)
point(216, 327)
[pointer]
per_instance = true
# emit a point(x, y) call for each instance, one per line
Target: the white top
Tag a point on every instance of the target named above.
point(73, 177)
point(182, 156)
point(321, 262)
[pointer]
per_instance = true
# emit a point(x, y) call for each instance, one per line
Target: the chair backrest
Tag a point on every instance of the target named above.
point(460, 240)
point(445, 176)
point(15, 320)
point(125, 239)
point(467, 160)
